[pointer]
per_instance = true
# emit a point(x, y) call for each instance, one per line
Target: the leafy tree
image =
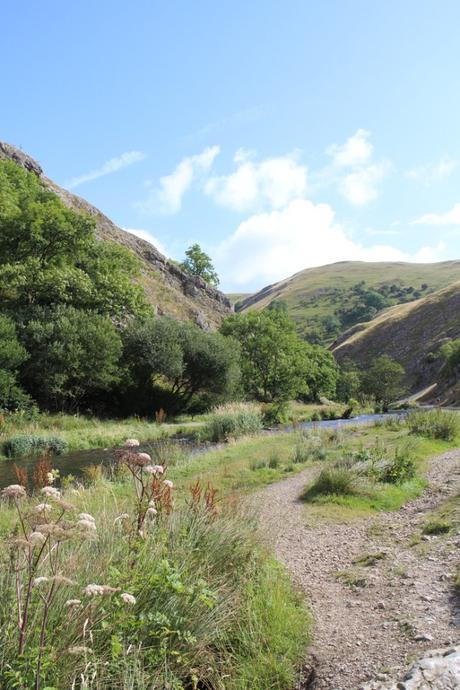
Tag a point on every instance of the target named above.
point(450, 356)
point(12, 355)
point(173, 364)
point(383, 380)
point(348, 381)
point(198, 263)
point(49, 254)
point(276, 364)
point(76, 356)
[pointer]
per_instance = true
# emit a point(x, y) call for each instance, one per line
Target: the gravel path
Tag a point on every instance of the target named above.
point(406, 604)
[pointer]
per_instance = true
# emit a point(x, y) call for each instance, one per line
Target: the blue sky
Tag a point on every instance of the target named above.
point(278, 135)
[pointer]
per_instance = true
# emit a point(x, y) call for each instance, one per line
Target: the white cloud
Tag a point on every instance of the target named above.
point(167, 197)
point(272, 182)
point(357, 150)
point(148, 237)
point(353, 169)
point(109, 167)
point(428, 174)
point(270, 246)
point(361, 186)
point(451, 217)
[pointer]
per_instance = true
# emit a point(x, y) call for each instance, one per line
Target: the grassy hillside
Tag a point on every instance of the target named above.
point(327, 300)
point(168, 288)
point(412, 334)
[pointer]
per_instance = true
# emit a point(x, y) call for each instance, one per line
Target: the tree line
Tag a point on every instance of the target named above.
point(77, 333)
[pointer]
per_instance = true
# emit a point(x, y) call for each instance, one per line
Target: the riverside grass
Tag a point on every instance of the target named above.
point(209, 607)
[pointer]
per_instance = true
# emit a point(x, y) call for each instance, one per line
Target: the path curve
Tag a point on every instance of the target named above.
point(407, 605)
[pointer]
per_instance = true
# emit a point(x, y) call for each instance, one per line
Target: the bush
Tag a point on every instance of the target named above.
point(274, 414)
point(335, 481)
point(385, 465)
point(399, 469)
point(273, 461)
point(29, 444)
point(437, 526)
point(231, 421)
point(437, 424)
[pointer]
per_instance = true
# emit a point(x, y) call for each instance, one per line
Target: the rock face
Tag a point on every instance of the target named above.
point(438, 670)
point(409, 333)
point(170, 290)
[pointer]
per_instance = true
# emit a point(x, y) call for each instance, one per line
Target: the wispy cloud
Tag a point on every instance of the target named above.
point(451, 217)
point(109, 167)
point(241, 117)
point(433, 172)
point(167, 196)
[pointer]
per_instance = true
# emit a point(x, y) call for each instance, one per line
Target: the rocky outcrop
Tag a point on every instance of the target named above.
point(438, 670)
point(171, 290)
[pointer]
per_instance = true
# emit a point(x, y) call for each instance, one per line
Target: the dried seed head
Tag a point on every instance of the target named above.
point(86, 516)
point(37, 538)
point(131, 443)
point(51, 492)
point(73, 602)
point(14, 491)
point(39, 581)
point(43, 508)
point(128, 598)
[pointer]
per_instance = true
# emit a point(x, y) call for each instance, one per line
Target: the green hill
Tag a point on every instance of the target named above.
point(411, 334)
point(327, 300)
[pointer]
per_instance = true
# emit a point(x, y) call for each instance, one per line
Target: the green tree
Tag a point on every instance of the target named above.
point(198, 263)
point(12, 355)
point(348, 381)
point(50, 255)
point(384, 380)
point(174, 364)
point(276, 364)
point(76, 356)
point(450, 356)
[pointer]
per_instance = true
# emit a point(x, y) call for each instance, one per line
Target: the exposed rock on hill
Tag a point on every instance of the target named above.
point(170, 290)
point(409, 333)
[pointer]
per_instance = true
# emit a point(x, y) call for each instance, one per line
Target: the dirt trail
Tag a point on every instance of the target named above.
point(407, 603)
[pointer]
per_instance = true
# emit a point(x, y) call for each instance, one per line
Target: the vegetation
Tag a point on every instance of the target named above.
point(276, 364)
point(439, 424)
point(198, 263)
point(383, 380)
point(137, 595)
point(231, 421)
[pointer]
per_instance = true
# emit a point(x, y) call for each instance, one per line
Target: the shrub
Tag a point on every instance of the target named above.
point(437, 526)
point(274, 414)
point(30, 444)
point(302, 452)
point(231, 421)
point(315, 417)
point(334, 481)
point(399, 469)
point(438, 424)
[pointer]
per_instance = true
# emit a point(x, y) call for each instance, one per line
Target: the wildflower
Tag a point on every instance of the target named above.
point(39, 581)
point(144, 457)
point(73, 602)
point(151, 512)
point(131, 443)
point(37, 538)
point(86, 516)
point(42, 507)
point(149, 469)
point(123, 516)
point(168, 483)
point(52, 476)
point(159, 469)
point(80, 650)
point(89, 525)
point(128, 598)
point(14, 491)
point(51, 491)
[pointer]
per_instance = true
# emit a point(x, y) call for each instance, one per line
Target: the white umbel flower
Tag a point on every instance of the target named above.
point(128, 598)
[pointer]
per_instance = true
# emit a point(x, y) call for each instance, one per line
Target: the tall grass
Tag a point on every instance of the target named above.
point(207, 605)
point(232, 421)
point(436, 424)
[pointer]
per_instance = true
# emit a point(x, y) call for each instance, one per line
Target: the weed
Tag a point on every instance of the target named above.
point(370, 559)
point(438, 424)
point(351, 579)
point(335, 481)
point(274, 460)
point(437, 526)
